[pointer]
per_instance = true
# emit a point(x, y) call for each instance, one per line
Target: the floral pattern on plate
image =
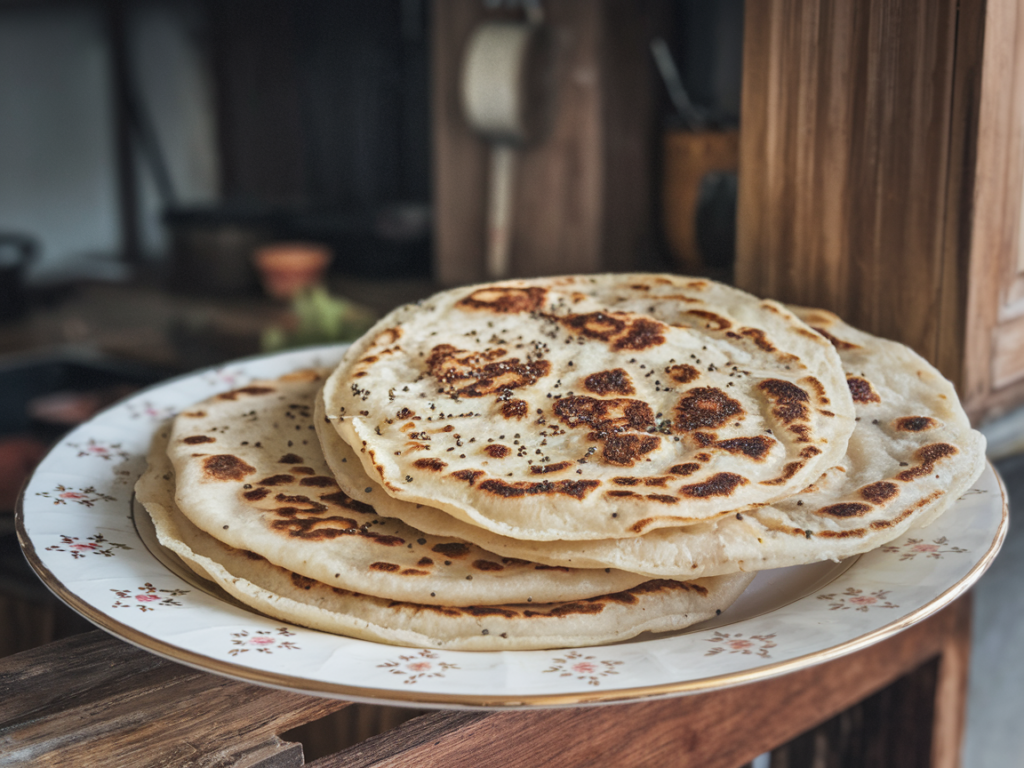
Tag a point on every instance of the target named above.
point(148, 598)
point(97, 544)
point(759, 645)
point(262, 641)
point(87, 497)
point(589, 669)
point(934, 549)
point(418, 666)
point(101, 450)
point(856, 599)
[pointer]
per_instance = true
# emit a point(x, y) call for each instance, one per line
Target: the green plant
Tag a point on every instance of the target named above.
point(318, 318)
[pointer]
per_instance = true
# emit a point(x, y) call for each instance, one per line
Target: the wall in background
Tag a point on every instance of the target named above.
point(57, 152)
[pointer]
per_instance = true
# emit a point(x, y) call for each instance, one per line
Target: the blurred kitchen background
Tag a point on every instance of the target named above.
point(191, 181)
point(184, 182)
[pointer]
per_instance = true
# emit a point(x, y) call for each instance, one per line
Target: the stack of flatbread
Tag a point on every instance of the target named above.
point(558, 462)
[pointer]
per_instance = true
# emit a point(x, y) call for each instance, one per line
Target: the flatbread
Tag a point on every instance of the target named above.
point(251, 473)
point(591, 407)
point(911, 456)
point(654, 606)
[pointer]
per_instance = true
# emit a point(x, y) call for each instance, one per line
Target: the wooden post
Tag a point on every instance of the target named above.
point(857, 163)
point(583, 194)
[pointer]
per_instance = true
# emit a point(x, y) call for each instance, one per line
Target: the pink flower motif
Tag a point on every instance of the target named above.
point(72, 495)
point(147, 598)
point(419, 666)
point(584, 667)
point(85, 546)
point(97, 449)
point(261, 640)
point(864, 600)
point(740, 645)
point(925, 547)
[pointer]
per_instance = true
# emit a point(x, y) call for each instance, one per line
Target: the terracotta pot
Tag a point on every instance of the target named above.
point(287, 268)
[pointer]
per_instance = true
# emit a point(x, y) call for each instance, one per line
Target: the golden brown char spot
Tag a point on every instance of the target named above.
point(802, 432)
point(626, 480)
point(505, 300)
point(756, 447)
point(317, 481)
point(194, 414)
point(656, 482)
point(432, 464)
point(595, 325)
point(837, 343)
point(226, 467)
point(543, 469)
point(721, 484)
point(368, 359)
point(302, 471)
point(626, 450)
point(861, 390)
point(818, 387)
point(488, 610)
point(703, 439)
point(577, 489)
point(276, 480)
point(622, 494)
point(197, 439)
point(487, 565)
point(235, 393)
point(424, 562)
point(256, 494)
point(497, 450)
point(623, 332)
point(880, 492)
point(915, 424)
point(641, 334)
point(341, 499)
point(809, 451)
point(789, 402)
point(664, 498)
point(759, 337)
point(405, 413)
point(705, 408)
point(928, 456)
point(385, 567)
point(359, 374)
point(684, 469)
point(514, 409)
point(615, 381)
point(712, 321)
point(482, 373)
point(302, 582)
point(683, 374)
point(613, 415)
point(290, 458)
point(386, 337)
point(890, 522)
point(453, 549)
point(788, 471)
point(410, 447)
point(845, 509)
point(414, 572)
point(469, 475)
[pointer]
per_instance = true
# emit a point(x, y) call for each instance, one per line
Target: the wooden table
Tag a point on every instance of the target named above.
point(94, 700)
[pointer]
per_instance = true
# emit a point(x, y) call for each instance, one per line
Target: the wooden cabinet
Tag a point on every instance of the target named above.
point(881, 168)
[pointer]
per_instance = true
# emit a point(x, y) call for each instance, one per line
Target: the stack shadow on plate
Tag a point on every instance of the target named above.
point(558, 462)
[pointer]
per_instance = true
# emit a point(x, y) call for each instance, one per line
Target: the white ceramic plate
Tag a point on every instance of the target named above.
point(80, 531)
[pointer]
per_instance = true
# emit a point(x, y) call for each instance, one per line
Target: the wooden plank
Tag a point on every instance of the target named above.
point(93, 700)
point(844, 182)
point(721, 729)
point(582, 197)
